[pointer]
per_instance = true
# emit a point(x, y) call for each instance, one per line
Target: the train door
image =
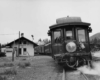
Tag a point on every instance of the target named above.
point(57, 40)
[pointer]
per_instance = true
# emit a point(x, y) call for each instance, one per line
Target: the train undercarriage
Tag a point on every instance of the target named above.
point(73, 61)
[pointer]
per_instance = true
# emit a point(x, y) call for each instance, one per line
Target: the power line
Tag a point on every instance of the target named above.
point(10, 34)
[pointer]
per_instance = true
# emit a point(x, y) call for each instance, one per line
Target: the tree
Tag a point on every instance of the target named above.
point(46, 41)
point(39, 40)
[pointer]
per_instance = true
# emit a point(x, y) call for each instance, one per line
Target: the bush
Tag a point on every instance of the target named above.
point(23, 59)
point(10, 72)
point(21, 65)
point(27, 64)
point(3, 78)
point(24, 64)
point(8, 64)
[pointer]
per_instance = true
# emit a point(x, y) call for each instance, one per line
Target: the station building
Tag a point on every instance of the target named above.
point(20, 47)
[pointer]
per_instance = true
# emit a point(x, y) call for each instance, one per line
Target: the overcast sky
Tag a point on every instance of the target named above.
point(33, 17)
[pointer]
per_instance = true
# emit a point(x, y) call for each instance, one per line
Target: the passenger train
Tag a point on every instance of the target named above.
point(70, 43)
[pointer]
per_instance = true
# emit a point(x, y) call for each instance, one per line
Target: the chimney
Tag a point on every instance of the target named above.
point(22, 34)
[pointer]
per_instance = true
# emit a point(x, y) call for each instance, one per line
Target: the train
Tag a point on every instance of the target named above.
point(44, 49)
point(70, 44)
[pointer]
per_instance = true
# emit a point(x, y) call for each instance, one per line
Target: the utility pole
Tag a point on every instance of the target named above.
point(33, 45)
point(13, 51)
point(18, 45)
point(0, 47)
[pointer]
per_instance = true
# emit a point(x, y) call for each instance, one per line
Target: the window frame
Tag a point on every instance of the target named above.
point(73, 35)
point(61, 33)
point(80, 28)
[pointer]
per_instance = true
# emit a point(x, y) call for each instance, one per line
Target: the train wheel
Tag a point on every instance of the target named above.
point(77, 63)
point(81, 62)
point(72, 64)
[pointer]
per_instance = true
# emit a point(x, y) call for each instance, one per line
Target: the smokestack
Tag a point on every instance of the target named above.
point(22, 34)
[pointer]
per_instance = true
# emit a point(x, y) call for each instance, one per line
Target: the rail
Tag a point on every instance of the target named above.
point(64, 75)
point(82, 75)
point(85, 77)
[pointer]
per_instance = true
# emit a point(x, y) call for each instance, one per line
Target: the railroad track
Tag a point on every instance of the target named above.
point(78, 76)
point(90, 77)
point(84, 76)
point(69, 75)
point(64, 75)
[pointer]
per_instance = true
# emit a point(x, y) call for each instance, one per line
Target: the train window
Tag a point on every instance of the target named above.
point(57, 36)
point(81, 35)
point(69, 34)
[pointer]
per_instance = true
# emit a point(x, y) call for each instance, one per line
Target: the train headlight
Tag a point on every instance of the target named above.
point(71, 47)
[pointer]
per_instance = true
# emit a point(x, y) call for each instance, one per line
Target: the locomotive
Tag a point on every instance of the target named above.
point(70, 41)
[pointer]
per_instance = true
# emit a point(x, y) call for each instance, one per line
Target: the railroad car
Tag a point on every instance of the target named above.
point(70, 41)
point(39, 49)
point(44, 49)
point(47, 49)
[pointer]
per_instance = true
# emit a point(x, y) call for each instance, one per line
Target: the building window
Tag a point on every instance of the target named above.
point(24, 42)
point(25, 49)
point(20, 42)
point(19, 51)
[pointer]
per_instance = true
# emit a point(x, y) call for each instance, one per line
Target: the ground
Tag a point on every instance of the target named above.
point(35, 68)
point(30, 68)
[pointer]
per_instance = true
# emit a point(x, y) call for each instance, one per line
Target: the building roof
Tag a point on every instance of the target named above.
point(20, 39)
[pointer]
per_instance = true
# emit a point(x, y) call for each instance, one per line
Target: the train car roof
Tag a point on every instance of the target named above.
point(69, 23)
point(47, 44)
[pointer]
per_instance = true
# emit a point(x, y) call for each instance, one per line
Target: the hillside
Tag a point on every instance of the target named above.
point(97, 36)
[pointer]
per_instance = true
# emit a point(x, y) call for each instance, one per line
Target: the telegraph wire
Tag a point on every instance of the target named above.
point(9, 34)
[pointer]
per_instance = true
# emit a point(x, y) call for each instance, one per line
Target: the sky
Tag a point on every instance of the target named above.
point(33, 17)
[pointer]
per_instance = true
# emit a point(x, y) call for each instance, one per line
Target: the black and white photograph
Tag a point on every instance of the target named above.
point(49, 39)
